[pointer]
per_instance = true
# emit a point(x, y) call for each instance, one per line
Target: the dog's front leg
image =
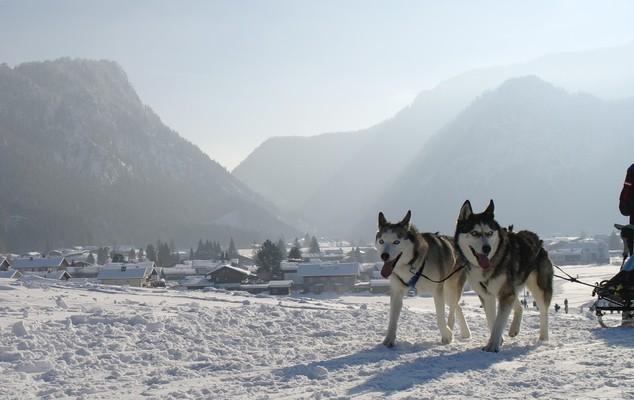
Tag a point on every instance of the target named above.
point(504, 310)
point(439, 302)
point(488, 303)
point(397, 291)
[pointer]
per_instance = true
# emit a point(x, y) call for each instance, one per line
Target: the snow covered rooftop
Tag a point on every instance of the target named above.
point(10, 274)
point(320, 269)
point(237, 269)
point(56, 275)
point(126, 271)
point(280, 284)
point(29, 263)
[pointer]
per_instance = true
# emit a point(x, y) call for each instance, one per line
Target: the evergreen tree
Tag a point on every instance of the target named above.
point(102, 255)
point(216, 251)
point(199, 250)
point(295, 253)
point(306, 240)
point(141, 254)
point(282, 246)
point(164, 256)
point(131, 255)
point(314, 246)
point(232, 252)
point(268, 259)
point(191, 253)
point(150, 252)
point(90, 259)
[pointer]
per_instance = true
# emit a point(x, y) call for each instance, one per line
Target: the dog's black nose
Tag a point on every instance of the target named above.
point(486, 249)
point(385, 256)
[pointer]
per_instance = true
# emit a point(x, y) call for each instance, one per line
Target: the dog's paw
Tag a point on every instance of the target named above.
point(514, 331)
point(447, 337)
point(389, 342)
point(491, 347)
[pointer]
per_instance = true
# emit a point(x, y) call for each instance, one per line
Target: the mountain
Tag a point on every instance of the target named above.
point(342, 189)
point(551, 160)
point(83, 160)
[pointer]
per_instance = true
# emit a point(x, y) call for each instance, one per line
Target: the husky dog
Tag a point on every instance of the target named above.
point(500, 263)
point(405, 252)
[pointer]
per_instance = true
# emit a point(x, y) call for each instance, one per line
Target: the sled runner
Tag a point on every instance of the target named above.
point(615, 297)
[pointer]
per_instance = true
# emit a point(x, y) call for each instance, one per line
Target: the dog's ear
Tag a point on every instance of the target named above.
point(406, 219)
point(490, 209)
point(382, 220)
point(465, 211)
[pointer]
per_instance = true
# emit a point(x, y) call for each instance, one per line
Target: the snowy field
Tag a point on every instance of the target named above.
point(97, 342)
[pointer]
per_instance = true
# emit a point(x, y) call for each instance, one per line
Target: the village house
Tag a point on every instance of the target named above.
point(203, 267)
point(59, 275)
point(379, 286)
point(578, 251)
point(4, 265)
point(12, 274)
point(228, 275)
point(90, 271)
point(138, 275)
point(319, 277)
point(44, 264)
point(280, 288)
point(289, 271)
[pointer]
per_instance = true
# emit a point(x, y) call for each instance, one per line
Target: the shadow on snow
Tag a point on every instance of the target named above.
point(428, 368)
point(407, 374)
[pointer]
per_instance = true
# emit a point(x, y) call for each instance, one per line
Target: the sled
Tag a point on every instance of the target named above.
point(615, 297)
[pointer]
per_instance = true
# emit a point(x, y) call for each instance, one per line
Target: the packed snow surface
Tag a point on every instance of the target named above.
point(81, 340)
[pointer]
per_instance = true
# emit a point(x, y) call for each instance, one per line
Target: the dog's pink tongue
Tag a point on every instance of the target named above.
point(386, 271)
point(483, 261)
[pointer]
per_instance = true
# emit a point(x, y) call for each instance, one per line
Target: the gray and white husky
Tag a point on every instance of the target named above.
point(404, 252)
point(500, 264)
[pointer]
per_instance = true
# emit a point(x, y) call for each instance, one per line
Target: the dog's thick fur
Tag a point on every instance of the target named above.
point(404, 250)
point(501, 263)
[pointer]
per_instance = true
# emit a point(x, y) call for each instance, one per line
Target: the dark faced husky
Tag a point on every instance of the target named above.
point(500, 264)
point(404, 252)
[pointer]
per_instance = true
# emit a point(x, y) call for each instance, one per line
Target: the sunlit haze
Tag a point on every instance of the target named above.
point(227, 75)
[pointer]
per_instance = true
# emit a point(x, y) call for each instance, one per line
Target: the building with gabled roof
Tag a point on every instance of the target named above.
point(142, 274)
point(43, 264)
point(11, 274)
point(228, 274)
point(4, 264)
point(319, 277)
point(59, 275)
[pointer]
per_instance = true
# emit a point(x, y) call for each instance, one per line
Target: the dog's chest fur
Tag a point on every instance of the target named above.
point(489, 282)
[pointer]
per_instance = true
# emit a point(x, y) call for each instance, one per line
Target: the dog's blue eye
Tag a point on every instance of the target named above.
point(396, 242)
point(489, 234)
point(381, 241)
point(475, 233)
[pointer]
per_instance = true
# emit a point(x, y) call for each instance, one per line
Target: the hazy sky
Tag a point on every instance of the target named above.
point(229, 74)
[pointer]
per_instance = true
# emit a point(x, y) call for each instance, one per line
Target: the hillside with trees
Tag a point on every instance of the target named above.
point(83, 160)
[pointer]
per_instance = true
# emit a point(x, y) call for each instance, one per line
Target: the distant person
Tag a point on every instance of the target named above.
point(557, 307)
point(566, 306)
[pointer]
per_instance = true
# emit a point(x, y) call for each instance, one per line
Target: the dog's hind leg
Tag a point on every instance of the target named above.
point(541, 288)
point(439, 303)
point(397, 291)
point(453, 299)
point(517, 318)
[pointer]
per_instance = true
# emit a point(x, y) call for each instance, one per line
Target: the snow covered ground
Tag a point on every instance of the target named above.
point(80, 340)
